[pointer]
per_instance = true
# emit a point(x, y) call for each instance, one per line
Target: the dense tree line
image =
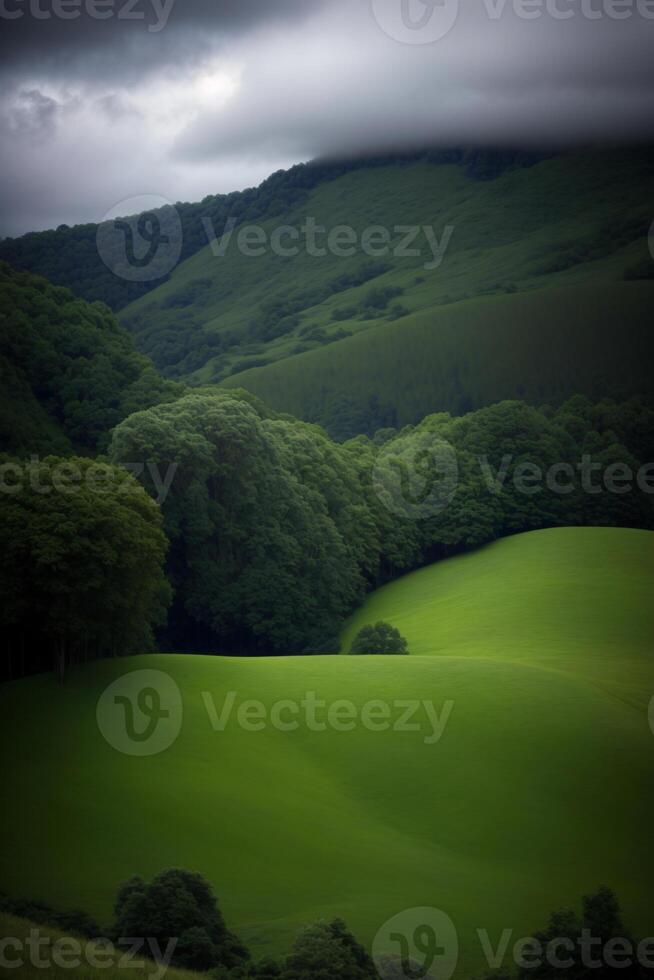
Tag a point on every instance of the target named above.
point(82, 572)
point(69, 257)
point(69, 372)
point(179, 914)
point(277, 532)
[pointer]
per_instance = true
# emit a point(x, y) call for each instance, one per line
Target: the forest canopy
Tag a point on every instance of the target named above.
point(277, 532)
point(68, 371)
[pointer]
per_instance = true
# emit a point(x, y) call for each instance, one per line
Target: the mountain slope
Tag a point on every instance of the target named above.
point(70, 256)
point(577, 220)
point(503, 819)
point(541, 346)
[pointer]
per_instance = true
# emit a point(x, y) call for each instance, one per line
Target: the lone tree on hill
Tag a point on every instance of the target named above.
point(380, 638)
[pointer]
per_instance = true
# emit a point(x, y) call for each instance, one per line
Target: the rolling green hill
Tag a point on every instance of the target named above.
point(529, 599)
point(572, 225)
point(540, 788)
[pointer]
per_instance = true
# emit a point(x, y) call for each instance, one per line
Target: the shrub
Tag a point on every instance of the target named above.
point(382, 638)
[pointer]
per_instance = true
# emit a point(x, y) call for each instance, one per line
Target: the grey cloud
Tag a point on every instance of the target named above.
point(33, 114)
point(139, 37)
point(513, 81)
point(116, 107)
point(311, 78)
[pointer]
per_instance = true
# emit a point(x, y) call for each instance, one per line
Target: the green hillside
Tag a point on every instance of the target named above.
point(530, 599)
point(540, 789)
point(22, 930)
point(70, 256)
point(591, 338)
point(566, 221)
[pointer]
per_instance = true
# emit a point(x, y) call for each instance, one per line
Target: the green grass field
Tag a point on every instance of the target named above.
point(529, 599)
point(540, 789)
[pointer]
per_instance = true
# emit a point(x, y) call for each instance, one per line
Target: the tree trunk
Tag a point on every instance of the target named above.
point(61, 659)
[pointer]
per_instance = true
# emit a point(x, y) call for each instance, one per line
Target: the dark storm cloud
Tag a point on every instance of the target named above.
point(95, 112)
point(134, 36)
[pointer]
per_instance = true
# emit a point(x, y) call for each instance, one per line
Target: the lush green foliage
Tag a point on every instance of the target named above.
point(583, 943)
point(178, 905)
point(595, 943)
point(277, 532)
point(69, 372)
point(325, 950)
point(82, 570)
point(378, 639)
point(270, 534)
point(328, 951)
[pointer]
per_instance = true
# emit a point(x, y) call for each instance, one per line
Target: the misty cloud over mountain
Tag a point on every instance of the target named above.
point(192, 97)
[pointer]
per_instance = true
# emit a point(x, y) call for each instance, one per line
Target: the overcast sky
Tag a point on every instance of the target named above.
point(183, 98)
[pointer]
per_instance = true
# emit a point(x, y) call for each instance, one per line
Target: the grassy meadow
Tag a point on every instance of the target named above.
point(540, 788)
